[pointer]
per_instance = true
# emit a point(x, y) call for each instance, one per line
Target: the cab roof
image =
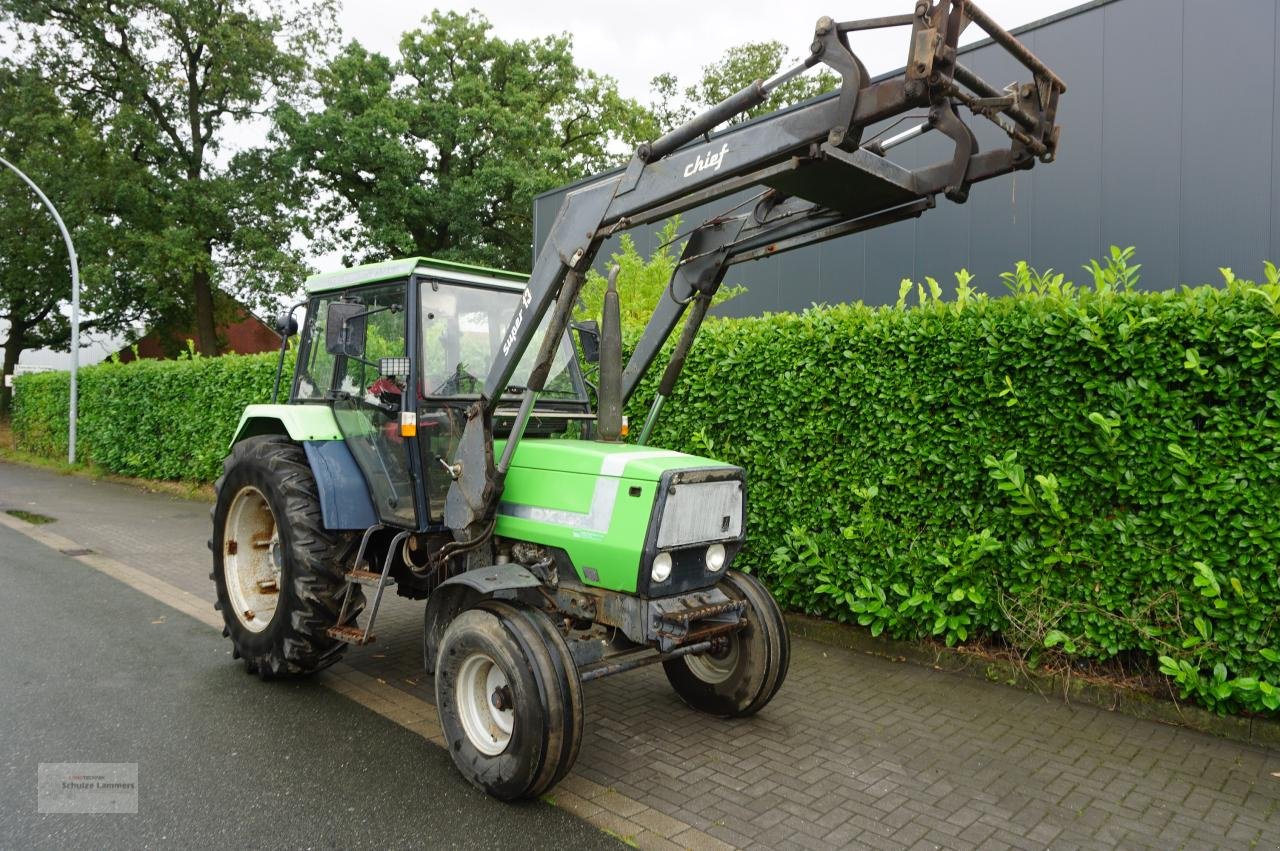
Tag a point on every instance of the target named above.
point(372, 273)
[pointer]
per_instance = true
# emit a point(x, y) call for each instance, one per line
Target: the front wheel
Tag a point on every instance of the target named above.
point(746, 668)
point(509, 698)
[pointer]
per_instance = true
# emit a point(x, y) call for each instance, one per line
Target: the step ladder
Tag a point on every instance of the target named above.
point(358, 576)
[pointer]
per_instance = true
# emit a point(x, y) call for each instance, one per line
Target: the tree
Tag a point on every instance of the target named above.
point(64, 155)
point(170, 80)
point(739, 66)
point(440, 151)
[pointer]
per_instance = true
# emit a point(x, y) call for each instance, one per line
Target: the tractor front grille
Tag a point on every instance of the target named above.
point(701, 513)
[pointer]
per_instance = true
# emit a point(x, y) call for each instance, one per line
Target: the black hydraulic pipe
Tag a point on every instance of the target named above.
point(966, 77)
point(696, 314)
point(633, 663)
point(691, 325)
point(876, 23)
point(751, 96)
point(1011, 44)
point(517, 430)
point(609, 394)
point(541, 366)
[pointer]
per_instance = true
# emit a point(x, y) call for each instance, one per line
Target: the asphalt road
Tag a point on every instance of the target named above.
point(93, 671)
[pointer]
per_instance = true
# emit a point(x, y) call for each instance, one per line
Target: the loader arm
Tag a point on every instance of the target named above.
point(817, 183)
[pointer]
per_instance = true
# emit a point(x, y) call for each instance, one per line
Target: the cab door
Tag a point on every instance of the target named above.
point(365, 332)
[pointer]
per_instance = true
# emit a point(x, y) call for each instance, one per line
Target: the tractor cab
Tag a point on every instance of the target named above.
point(399, 351)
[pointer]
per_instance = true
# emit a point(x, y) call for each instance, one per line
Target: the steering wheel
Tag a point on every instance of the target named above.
point(384, 395)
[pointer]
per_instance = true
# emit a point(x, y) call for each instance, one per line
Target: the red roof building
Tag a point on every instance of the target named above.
point(244, 334)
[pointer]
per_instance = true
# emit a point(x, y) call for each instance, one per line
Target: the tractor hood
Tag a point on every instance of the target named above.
point(610, 507)
point(591, 458)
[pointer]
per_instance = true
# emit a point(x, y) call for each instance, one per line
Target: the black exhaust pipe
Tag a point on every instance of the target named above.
point(609, 394)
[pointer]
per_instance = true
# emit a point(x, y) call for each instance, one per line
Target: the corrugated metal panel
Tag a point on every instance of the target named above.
point(1274, 252)
point(1227, 93)
point(1171, 143)
point(1137, 174)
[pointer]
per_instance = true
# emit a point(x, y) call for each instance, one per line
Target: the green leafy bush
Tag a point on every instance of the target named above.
point(641, 281)
point(153, 419)
point(1087, 468)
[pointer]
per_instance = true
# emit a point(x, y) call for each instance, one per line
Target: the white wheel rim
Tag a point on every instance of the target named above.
point(252, 559)
point(485, 704)
point(715, 668)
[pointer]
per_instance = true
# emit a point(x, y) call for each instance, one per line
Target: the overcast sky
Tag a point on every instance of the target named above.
point(634, 41)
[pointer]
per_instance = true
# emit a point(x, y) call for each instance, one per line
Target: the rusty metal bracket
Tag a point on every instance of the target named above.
point(831, 47)
point(943, 117)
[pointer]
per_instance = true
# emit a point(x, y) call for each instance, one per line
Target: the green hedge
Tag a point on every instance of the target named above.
point(1095, 471)
point(151, 419)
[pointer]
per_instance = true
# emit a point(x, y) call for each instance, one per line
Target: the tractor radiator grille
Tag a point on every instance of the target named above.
point(701, 513)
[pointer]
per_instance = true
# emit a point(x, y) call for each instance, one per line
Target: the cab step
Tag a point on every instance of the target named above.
point(368, 577)
point(350, 634)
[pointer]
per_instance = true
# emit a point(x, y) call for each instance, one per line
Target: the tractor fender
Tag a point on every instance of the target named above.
point(344, 494)
point(463, 591)
point(300, 422)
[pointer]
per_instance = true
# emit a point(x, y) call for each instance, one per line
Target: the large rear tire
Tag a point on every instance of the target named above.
point(509, 699)
point(746, 671)
point(279, 573)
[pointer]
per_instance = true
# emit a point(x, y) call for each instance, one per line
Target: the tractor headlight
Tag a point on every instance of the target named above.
point(661, 567)
point(715, 557)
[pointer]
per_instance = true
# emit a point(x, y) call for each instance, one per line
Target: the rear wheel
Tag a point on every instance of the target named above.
point(278, 571)
point(746, 668)
point(509, 699)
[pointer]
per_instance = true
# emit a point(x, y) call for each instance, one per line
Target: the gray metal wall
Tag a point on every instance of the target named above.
point(1170, 143)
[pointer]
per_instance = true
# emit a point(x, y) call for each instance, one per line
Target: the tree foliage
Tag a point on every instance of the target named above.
point(738, 67)
point(441, 150)
point(170, 81)
point(642, 281)
point(61, 151)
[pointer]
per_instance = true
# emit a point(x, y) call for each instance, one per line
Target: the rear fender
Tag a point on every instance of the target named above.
point(344, 494)
point(300, 422)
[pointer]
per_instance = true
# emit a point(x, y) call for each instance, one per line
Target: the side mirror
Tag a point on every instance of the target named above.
point(286, 325)
point(344, 328)
point(589, 340)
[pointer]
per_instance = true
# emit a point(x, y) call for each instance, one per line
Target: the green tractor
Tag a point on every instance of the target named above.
point(602, 555)
point(439, 435)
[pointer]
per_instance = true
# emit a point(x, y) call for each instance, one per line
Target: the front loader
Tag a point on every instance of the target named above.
point(439, 438)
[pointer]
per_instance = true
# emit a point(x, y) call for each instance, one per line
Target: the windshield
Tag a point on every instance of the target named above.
point(462, 328)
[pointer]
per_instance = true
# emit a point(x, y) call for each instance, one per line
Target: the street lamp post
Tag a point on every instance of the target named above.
point(75, 305)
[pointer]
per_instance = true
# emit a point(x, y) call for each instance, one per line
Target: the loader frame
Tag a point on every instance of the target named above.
point(818, 183)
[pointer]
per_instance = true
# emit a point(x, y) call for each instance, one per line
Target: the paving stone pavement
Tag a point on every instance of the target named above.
point(854, 752)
